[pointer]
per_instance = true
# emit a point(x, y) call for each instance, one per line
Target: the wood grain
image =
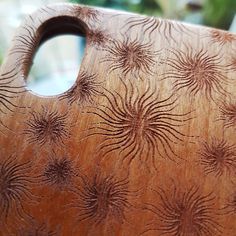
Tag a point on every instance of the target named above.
point(144, 143)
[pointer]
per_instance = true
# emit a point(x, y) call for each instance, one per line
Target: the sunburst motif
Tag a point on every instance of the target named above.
point(15, 189)
point(98, 38)
point(84, 91)
point(197, 72)
point(230, 207)
point(232, 64)
point(8, 91)
point(183, 212)
point(221, 37)
point(37, 229)
point(228, 114)
point(151, 25)
point(139, 123)
point(130, 57)
point(101, 198)
point(47, 127)
point(25, 47)
point(59, 173)
point(218, 157)
point(86, 14)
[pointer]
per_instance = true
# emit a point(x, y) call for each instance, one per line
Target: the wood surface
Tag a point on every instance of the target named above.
point(144, 143)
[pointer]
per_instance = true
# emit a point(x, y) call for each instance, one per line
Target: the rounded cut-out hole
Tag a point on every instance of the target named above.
point(56, 65)
point(57, 49)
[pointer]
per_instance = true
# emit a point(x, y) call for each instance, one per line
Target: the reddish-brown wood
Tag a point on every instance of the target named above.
point(144, 143)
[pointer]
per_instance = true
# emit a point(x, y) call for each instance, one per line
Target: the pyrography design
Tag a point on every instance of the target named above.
point(84, 91)
point(97, 38)
point(221, 37)
point(232, 64)
point(228, 114)
point(218, 157)
point(15, 189)
point(47, 127)
point(197, 72)
point(59, 173)
point(86, 14)
point(47, 9)
point(183, 212)
point(130, 57)
point(230, 207)
point(8, 91)
point(101, 198)
point(153, 25)
point(25, 47)
point(37, 229)
point(139, 124)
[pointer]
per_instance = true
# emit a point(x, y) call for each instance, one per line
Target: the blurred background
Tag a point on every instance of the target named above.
point(57, 61)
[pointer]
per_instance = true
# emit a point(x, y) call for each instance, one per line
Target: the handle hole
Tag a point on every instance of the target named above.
point(56, 65)
point(58, 56)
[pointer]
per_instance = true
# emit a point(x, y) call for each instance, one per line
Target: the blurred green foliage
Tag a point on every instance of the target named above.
point(219, 13)
point(141, 6)
point(214, 13)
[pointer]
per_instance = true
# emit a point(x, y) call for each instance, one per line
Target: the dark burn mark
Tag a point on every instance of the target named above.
point(8, 91)
point(86, 14)
point(151, 25)
point(232, 64)
point(218, 157)
point(47, 127)
point(130, 57)
point(221, 37)
point(98, 38)
point(183, 212)
point(48, 10)
point(228, 114)
point(15, 189)
point(26, 44)
point(84, 91)
point(197, 72)
point(58, 173)
point(139, 124)
point(100, 199)
point(37, 229)
point(230, 207)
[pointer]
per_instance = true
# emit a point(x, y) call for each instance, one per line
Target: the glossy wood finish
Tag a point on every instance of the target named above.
point(144, 143)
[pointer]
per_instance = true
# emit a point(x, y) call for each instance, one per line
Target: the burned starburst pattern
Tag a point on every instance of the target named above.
point(97, 38)
point(228, 114)
point(130, 57)
point(47, 127)
point(139, 125)
point(198, 72)
point(15, 189)
point(47, 9)
point(100, 199)
point(232, 64)
point(86, 14)
point(183, 212)
point(222, 37)
point(58, 173)
point(230, 207)
point(25, 47)
point(152, 25)
point(84, 91)
point(9, 91)
point(218, 157)
point(37, 230)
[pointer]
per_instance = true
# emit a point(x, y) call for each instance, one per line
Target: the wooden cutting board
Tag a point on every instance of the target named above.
point(144, 143)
